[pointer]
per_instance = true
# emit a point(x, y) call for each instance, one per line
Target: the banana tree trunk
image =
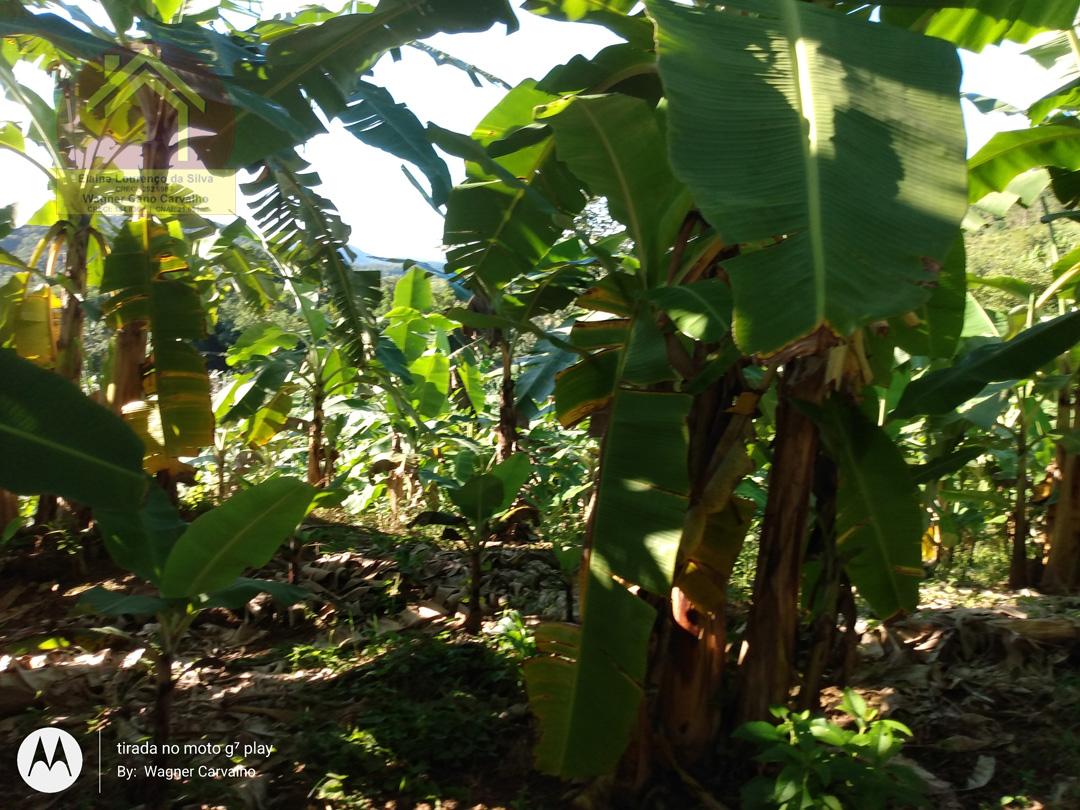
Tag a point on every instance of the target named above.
point(70, 344)
point(692, 644)
point(826, 600)
point(9, 508)
point(507, 430)
point(767, 668)
point(129, 360)
point(316, 472)
point(1062, 571)
point(1018, 565)
point(131, 342)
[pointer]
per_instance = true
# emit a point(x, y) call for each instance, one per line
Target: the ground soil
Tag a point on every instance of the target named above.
point(371, 695)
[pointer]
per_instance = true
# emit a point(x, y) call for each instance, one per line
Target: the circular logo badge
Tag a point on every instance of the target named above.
point(49, 760)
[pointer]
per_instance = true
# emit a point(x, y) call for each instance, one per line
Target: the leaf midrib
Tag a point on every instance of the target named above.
point(874, 523)
point(624, 185)
point(70, 451)
point(211, 562)
point(804, 99)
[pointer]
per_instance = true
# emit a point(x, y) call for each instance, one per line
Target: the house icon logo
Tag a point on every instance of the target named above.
point(49, 760)
point(122, 83)
point(141, 133)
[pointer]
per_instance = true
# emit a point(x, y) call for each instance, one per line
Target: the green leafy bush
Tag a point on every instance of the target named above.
point(812, 762)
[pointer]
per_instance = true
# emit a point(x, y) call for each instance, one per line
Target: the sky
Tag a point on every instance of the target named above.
point(388, 216)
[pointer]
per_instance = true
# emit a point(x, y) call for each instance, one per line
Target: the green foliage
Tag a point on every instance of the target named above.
point(818, 763)
point(183, 561)
point(434, 715)
point(1009, 154)
point(940, 391)
point(56, 440)
point(587, 683)
point(481, 497)
point(612, 143)
point(788, 179)
point(243, 532)
point(701, 310)
point(975, 24)
point(879, 517)
point(846, 77)
point(941, 318)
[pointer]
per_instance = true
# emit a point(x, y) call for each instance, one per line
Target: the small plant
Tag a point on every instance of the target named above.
point(192, 567)
point(510, 636)
point(824, 765)
point(483, 504)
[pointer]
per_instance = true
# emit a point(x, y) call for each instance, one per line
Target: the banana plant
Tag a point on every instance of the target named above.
point(431, 357)
point(259, 91)
point(484, 504)
point(278, 365)
point(191, 568)
point(158, 378)
point(504, 316)
point(698, 337)
point(54, 439)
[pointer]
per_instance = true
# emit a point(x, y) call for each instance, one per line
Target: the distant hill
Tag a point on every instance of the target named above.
point(21, 243)
point(390, 267)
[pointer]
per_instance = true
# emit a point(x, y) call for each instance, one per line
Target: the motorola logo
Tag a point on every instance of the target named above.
point(49, 760)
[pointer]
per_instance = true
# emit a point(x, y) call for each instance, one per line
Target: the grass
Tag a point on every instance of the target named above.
point(428, 717)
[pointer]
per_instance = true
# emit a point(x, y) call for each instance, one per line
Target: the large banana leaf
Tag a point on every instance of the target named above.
point(269, 420)
point(346, 45)
point(183, 396)
point(941, 319)
point(144, 418)
point(431, 384)
point(613, 14)
point(379, 121)
point(839, 138)
point(879, 518)
point(499, 227)
point(586, 685)
point(321, 63)
point(940, 391)
point(519, 197)
point(478, 498)
point(974, 24)
point(140, 541)
point(1009, 154)
point(614, 143)
point(29, 319)
point(55, 29)
point(140, 272)
point(413, 290)
point(318, 62)
point(258, 390)
point(243, 532)
point(701, 310)
point(537, 380)
point(53, 439)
